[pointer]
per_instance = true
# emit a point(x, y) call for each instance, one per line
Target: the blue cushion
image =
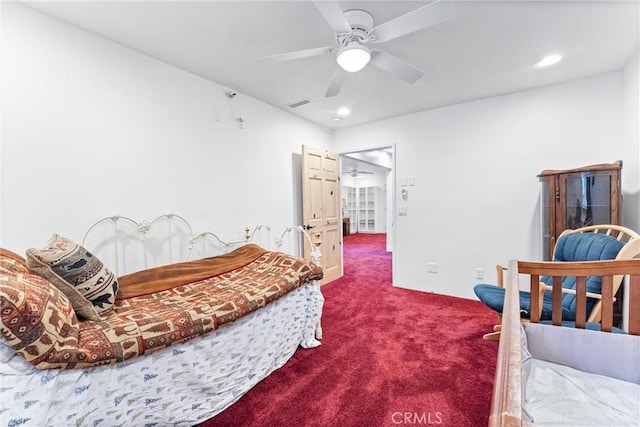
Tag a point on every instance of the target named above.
point(570, 247)
point(586, 247)
point(582, 247)
point(493, 297)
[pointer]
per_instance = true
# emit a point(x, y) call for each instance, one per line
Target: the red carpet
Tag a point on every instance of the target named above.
point(389, 357)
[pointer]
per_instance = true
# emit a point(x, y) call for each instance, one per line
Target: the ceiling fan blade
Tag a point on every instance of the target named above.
point(288, 56)
point(333, 14)
point(426, 16)
point(336, 83)
point(395, 66)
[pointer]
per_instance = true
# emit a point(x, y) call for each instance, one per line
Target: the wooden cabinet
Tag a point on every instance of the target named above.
point(578, 197)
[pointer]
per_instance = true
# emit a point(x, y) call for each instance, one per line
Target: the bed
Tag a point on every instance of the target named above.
point(171, 354)
point(568, 373)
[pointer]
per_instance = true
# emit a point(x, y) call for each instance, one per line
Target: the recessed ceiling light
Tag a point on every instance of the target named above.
point(337, 119)
point(548, 60)
point(343, 111)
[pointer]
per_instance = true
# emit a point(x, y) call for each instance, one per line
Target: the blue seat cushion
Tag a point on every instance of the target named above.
point(493, 297)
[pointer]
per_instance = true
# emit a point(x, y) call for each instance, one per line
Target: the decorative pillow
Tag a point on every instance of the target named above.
point(12, 260)
point(82, 277)
point(35, 317)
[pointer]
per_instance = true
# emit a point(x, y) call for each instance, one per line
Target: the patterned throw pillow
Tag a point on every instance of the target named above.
point(82, 277)
point(12, 260)
point(35, 317)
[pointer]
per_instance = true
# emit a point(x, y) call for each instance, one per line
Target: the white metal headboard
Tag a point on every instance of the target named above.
point(143, 228)
point(126, 245)
point(298, 237)
point(207, 240)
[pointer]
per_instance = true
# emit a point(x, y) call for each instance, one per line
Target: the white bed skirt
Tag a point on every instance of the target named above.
point(181, 385)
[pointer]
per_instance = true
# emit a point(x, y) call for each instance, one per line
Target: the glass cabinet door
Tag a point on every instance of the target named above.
point(588, 200)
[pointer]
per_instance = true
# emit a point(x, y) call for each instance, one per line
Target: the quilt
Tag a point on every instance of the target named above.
point(173, 309)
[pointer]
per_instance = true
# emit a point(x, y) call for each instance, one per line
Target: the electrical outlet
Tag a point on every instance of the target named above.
point(479, 273)
point(432, 267)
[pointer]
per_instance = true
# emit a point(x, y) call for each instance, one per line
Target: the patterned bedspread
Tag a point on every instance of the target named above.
point(148, 322)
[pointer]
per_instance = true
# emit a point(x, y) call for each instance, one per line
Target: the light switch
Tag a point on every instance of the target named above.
point(402, 210)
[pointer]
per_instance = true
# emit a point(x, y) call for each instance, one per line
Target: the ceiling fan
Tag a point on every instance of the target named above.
point(355, 29)
point(355, 172)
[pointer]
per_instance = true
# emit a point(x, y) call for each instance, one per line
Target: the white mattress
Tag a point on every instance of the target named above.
point(180, 385)
point(558, 395)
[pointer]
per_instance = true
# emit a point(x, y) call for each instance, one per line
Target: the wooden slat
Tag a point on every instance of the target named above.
point(581, 302)
point(500, 275)
point(556, 304)
point(534, 310)
point(634, 304)
point(607, 303)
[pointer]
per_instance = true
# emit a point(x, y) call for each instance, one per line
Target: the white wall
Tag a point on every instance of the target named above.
point(631, 135)
point(631, 138)
point(475, 202)
point(389, 210)
point(91, 128)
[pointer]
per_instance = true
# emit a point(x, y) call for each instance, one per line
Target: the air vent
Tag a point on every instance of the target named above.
point(299, 103)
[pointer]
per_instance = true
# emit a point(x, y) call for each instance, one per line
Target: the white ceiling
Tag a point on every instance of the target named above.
point(488, 49)
point(374, 162)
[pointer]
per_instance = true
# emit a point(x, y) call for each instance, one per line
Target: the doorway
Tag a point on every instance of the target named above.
point(367, 181)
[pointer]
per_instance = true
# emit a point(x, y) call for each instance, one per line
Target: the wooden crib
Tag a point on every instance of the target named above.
point(508, 402)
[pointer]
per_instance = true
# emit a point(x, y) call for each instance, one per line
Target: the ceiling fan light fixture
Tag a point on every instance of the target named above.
point(353, 57)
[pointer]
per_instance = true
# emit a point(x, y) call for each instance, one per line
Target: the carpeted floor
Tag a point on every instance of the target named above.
point(389, 357)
